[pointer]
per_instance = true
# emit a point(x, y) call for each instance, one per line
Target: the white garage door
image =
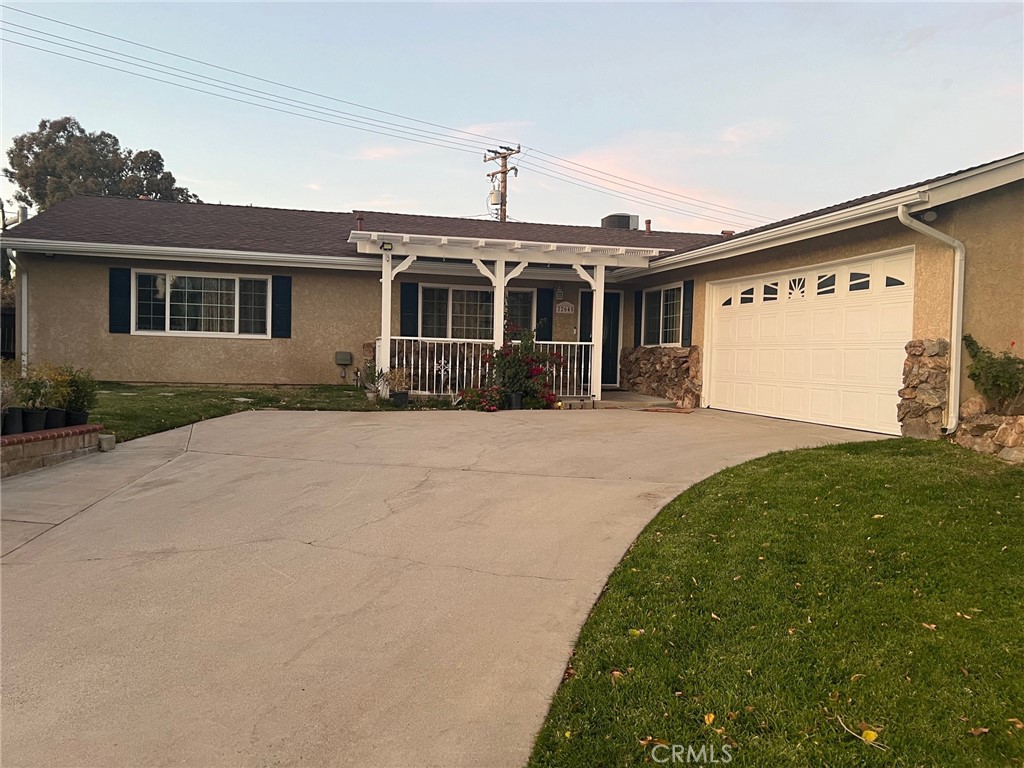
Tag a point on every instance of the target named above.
point(823, 344)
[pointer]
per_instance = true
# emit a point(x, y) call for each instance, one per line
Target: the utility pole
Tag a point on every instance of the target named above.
point(502, 154)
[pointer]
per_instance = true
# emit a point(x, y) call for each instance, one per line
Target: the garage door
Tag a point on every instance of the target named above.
point(823, 344)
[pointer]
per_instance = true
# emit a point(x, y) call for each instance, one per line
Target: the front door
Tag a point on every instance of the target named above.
point(611, 337)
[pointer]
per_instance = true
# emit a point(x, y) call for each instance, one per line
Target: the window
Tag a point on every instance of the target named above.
point(747, 295)
point(770, 291)
point(860, 281)
point(468, 313)
point(826, 284)
point(797, 287)
point(519, 312)
point(663, 315)
point(893, 282)
point(201, 304)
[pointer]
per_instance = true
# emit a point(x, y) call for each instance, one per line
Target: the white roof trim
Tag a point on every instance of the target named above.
point(918, 199)
point(157, 253)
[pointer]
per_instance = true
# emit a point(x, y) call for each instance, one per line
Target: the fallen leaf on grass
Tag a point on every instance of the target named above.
point(709, 718)
point(869, 736)
point(636, 632)
point(615, 675)
point(978, 731)
point(1016, 723)
point(568, 734)
point(963, 615)
point(855, 678)
point(732, 715)
point(715, 618)
point(648, 740)
point(877, 517)
point(929, 626)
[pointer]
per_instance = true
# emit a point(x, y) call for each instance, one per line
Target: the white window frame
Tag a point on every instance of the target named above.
point(464, 287)
point(661, 315)
point(169, 274)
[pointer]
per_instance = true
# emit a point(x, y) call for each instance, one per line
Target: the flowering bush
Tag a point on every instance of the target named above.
point(1000, 377)
point(483, 399)
point(524, 368)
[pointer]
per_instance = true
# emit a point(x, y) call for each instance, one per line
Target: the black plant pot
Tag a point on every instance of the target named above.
point(33, 420)
point(77, 418)
point(13, 422)
point(56, 418)
point(401, 399)
point(515, 401)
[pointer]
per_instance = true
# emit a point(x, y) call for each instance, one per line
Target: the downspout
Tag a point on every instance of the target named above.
point(22, 275)
point(957, 331)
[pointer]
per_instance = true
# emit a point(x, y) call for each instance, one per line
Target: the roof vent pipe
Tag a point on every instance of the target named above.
point(647, 226)
point(359, 222)
point(22, 214)
point(727, 233)
point(957, 330)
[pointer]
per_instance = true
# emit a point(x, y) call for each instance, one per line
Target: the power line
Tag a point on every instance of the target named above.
point(384, 128)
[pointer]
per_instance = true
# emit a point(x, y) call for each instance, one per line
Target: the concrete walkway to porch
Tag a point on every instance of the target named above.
point(352, 589)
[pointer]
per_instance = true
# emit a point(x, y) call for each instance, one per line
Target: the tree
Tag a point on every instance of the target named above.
point(61, 159)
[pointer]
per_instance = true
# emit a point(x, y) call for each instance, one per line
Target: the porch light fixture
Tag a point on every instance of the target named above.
point(386, 246)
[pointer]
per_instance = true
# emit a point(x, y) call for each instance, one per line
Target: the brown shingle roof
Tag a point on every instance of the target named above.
point(122, 221)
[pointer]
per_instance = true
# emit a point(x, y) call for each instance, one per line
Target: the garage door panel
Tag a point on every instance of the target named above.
point(824, 351)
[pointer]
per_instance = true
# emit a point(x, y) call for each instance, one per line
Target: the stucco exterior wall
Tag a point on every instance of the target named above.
point(68, 323)
point(990, 224)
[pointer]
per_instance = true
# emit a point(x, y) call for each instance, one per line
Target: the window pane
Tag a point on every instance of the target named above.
point(205, 304)
point(472, 314)
point(434, 313)
point(652, 317)
point(671, 315)
point(150, 301)
point(519, 312)
point(252, 307)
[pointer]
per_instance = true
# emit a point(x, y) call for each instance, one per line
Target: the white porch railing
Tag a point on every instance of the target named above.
point(447, 366)
point(571, 373)
point(441, 366)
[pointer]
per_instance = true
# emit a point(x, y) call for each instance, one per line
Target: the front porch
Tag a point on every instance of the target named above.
point(440, 360)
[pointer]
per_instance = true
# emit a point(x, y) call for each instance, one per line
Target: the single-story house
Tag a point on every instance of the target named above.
point(840, 316)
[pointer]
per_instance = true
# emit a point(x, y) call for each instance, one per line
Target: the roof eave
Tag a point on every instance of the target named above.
point(160, 253)
point(918, 199)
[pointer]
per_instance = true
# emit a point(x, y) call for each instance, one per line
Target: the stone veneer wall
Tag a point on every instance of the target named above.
point(991, 433)
point(925, 388)
point(669, 372)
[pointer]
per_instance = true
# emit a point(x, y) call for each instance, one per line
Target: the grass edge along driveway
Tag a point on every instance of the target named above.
point(880, 584)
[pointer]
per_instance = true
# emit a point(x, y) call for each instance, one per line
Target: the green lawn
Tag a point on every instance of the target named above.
point(878, 584)
point(131, 411)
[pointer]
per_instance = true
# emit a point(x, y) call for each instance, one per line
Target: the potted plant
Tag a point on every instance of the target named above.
point(81, 395)
point(374, 381)
point(398, 385)
point(57, 394)
point(35, 396)
point(11, 413)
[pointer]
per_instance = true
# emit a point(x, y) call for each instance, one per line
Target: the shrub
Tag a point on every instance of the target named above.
point(524, 368)
point(82, 389)
point(999, 377)
point(398, 379)
point(489, 398)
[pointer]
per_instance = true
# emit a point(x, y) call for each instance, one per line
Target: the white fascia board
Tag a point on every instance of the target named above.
point(153, 253)
point(918, 199)
point(869, 213)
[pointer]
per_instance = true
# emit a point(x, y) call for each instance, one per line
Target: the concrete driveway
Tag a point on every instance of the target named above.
point(357, 589)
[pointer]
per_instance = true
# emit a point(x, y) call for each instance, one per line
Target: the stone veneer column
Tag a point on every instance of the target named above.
point(925, 388)
point(669, 372)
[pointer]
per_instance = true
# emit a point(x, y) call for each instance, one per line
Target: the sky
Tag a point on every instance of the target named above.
point(728, 115)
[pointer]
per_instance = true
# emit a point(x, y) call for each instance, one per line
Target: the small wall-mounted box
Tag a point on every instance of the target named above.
point(343, 358)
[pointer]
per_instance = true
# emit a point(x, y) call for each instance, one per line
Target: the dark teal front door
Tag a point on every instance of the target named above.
point(611, 340)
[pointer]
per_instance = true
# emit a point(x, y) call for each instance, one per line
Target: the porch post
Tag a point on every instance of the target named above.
point(499, 302)
point(387, 277)
point(597, 333)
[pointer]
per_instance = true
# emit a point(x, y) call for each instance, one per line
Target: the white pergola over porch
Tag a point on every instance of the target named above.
point(499, 261)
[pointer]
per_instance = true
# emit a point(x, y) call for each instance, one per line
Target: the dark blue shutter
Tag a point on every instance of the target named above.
point(120, 300)
point(586, 316)
point(545, 313)
point(687, 313)
point(281, 307)
point(638, 318)
point(409, 309)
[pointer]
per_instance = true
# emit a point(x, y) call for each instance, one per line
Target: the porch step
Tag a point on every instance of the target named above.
point(633, 401)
